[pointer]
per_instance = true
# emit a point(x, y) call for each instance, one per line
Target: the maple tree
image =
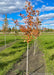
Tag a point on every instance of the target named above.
point(30, 28)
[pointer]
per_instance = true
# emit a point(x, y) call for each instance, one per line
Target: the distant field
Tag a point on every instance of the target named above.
point(48, 33)
point(47, 46)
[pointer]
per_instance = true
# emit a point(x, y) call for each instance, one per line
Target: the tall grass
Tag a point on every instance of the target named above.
point(9, 39)
point(47, 46)
point(11, 55)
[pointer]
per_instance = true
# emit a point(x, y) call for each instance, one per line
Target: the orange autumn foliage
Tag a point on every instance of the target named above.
point(30, 28)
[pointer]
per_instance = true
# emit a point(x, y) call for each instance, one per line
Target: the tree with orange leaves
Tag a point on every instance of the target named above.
point(30, 28)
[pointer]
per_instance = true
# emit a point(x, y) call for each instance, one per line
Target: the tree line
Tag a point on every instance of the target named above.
point(5, 27)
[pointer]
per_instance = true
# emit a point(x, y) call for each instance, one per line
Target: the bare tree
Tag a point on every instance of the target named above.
point(5, 27)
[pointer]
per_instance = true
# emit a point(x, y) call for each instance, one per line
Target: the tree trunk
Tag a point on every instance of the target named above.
point(5, 40)
point(27, 59)
point(15, 37)
point(34, 46)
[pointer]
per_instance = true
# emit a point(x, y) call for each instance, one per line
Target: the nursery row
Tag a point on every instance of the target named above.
point(11, 55)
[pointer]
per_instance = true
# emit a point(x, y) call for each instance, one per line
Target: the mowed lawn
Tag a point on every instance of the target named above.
point(11, 55)
point(46, 41)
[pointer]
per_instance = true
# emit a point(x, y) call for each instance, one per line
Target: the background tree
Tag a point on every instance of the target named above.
point(16, 30)
point(13, 29)
point(5, 27)
point(9, 29)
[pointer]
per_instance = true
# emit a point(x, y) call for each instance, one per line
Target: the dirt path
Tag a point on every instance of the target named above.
point(36, 64)
point(8, 45)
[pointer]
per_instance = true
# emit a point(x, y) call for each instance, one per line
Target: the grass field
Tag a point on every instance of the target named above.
point(10, 55)
point(9, 38)
point(47, 46)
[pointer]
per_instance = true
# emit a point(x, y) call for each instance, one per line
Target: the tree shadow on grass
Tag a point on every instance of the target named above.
point(7, 54)
point(52, 57)
point(1, 43)
point(11, 53)
point(50, 47)
point(21, 44)
point(4, 64)
point(14, 47)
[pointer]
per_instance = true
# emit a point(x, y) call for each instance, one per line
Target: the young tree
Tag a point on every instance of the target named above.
point(5, 27)
point(36, 31)
point(16, 24)
point(9, 29)
point(30, 28)
point(13, 29)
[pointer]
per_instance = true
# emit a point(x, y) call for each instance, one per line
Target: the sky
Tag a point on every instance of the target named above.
point(13, 8)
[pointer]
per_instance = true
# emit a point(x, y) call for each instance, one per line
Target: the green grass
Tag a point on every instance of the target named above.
point(10, 55)
point(9, 38)
point(47, 46)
